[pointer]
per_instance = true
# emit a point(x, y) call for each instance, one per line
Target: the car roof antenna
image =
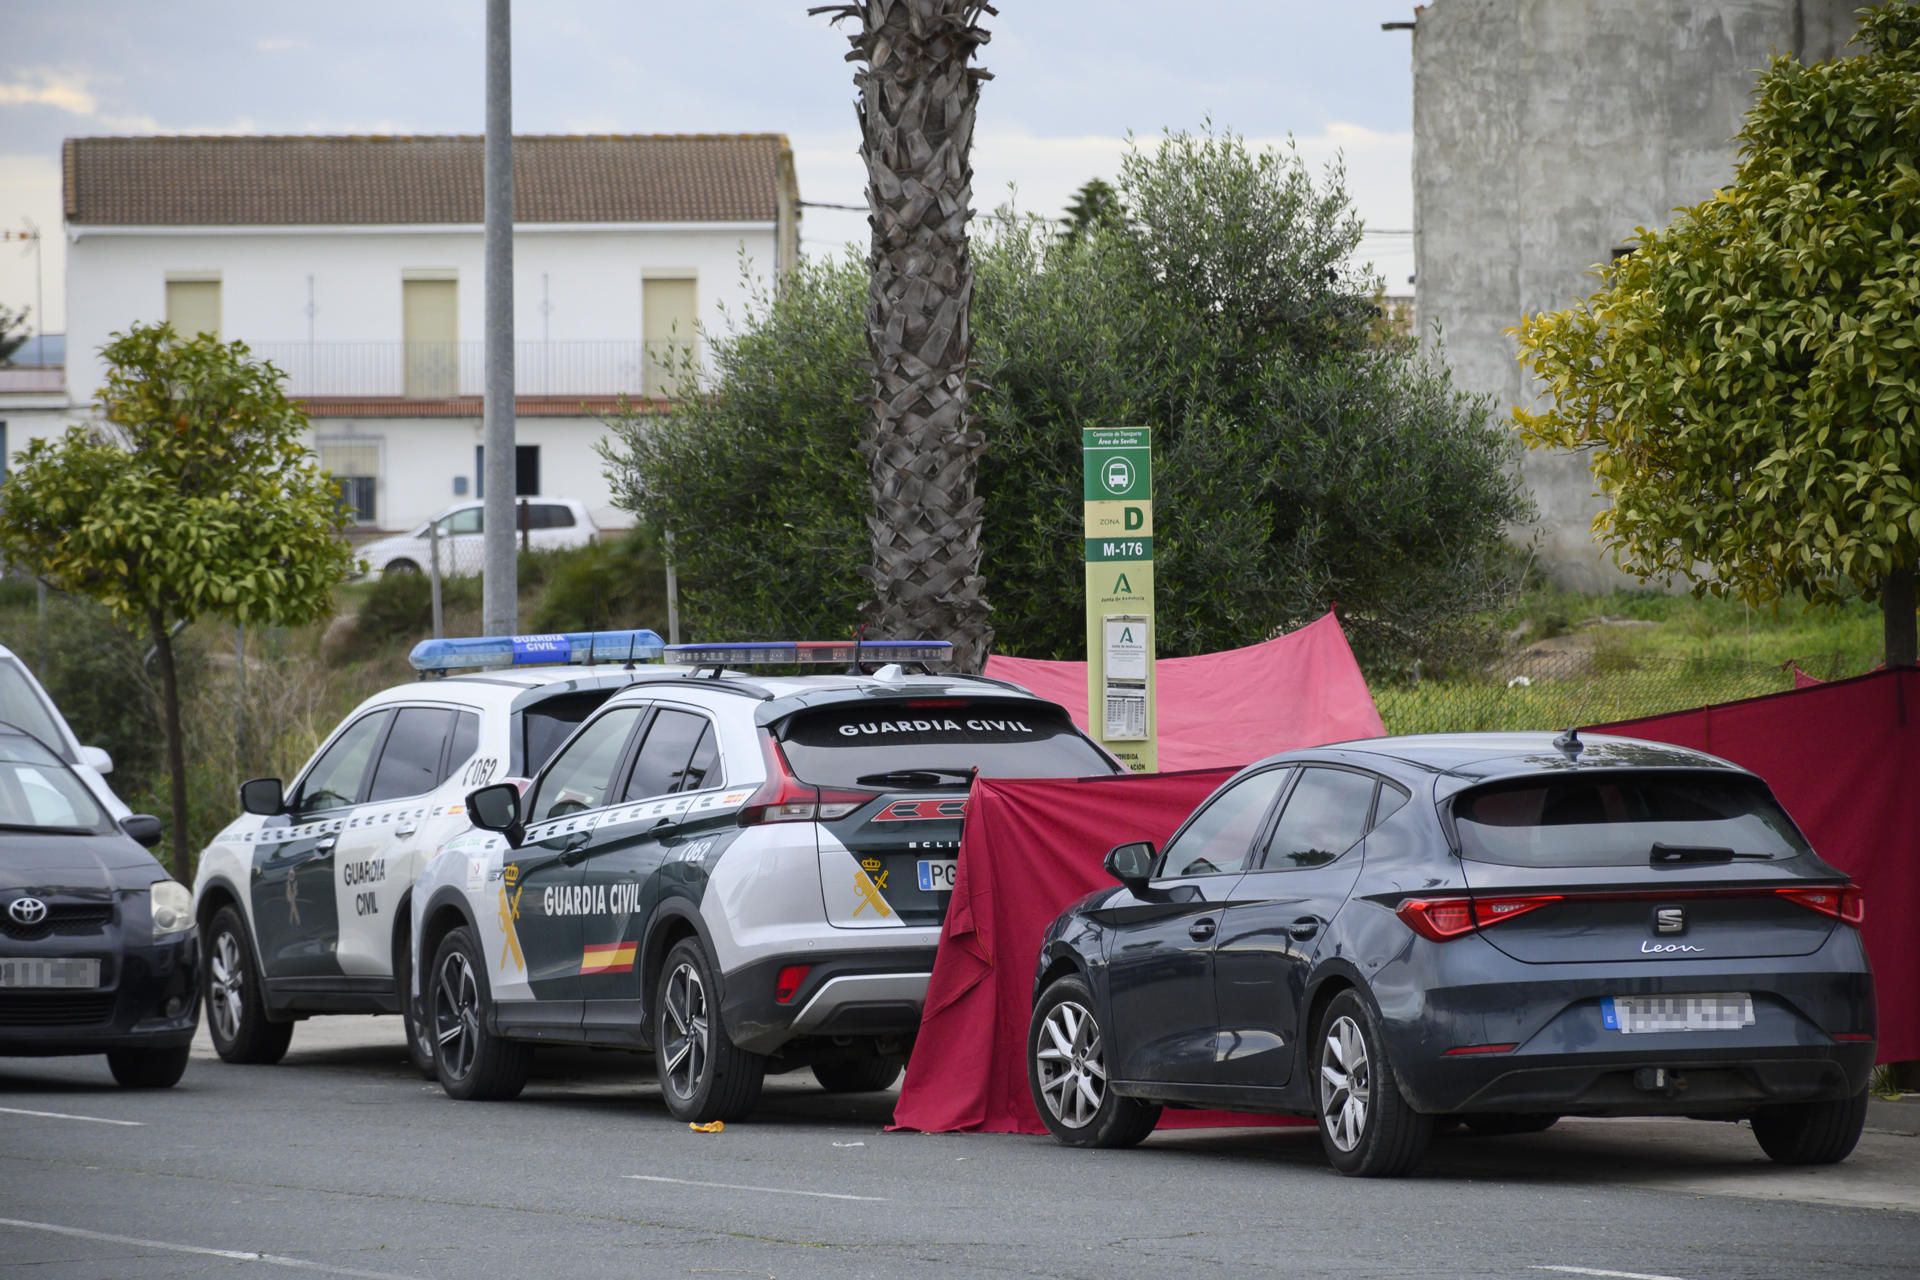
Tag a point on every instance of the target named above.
point(859, 638)
point(1569, 742)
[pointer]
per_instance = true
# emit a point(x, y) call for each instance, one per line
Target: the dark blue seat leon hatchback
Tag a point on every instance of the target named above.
point(1489, 929)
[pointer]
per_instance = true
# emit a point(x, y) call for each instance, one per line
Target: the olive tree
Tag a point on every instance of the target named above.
point(1747, 378)
point(195, 496)
point(1298, 462)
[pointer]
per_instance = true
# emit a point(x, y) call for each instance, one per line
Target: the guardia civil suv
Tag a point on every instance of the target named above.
point(302, 901)
point(743, 874)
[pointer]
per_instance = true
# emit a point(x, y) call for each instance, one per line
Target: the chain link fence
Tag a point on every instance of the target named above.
point(1556, 688)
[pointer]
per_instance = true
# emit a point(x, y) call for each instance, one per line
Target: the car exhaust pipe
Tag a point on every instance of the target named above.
point(1659, 1080)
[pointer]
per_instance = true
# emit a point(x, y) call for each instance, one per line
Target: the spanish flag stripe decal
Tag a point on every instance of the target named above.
point(610, 957)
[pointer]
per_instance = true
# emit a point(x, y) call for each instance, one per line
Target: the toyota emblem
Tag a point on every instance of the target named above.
point(27, 910)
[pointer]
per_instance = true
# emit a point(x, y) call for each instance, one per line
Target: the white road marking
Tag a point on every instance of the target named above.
point(61, 1115)
point(772, 1191)
point(232, 1255)
point(1615, 1275)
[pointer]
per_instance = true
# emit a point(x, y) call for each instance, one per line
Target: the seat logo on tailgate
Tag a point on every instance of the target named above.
point(922, 810)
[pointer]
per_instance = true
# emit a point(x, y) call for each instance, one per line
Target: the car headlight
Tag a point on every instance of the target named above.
point(171, 908)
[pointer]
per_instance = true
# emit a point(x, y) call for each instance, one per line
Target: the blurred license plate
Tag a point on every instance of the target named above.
point(1636, 1015)
point(49, 973)
point(936, 874)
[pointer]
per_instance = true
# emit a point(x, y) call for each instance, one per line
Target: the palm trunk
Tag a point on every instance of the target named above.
point(176, 749)
point(1897, 618)
point(916, 108)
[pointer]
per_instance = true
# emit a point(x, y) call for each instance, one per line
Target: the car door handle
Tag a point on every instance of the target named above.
point(325, 843)
point(1303, 928)
point(403, 832)
point(1200, 930)
point(574, 851)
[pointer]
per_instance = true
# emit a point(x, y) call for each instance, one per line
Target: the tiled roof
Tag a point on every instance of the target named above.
point(305, 181)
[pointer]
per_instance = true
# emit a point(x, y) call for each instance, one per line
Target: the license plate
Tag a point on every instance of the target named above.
point(1640, 1015)
point(49, 973)
point(936, 874)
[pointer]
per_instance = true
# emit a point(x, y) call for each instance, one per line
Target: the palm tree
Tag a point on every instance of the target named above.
point(916, 106)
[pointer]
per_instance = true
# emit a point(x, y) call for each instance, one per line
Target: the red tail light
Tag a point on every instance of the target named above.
point(1443, 919)
point(784, 798)
point(1842, 902)
point(789, 982)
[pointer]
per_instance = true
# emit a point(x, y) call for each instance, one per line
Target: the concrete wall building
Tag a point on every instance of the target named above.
point(1545, 131)
point(355, 265)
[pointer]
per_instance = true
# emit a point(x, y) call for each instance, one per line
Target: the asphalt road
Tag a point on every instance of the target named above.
point(339, 1162)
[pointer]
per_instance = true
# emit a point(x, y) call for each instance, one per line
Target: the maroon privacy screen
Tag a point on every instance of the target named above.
point(1030, 848)
point(1231, 708)
point(1844, 758)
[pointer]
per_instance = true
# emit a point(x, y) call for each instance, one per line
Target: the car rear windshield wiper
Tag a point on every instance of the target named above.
point(1664, 854)
point(913, 777)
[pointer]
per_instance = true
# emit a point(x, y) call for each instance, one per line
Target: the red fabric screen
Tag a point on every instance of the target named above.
point(1840, 757)
point(1298, 690)
point(1030, 849)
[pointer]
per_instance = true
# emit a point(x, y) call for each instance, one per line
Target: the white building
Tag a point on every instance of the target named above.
point(354, 264)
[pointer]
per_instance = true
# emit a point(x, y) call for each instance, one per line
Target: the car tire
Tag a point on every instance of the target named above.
point(400, 566)
point(1067, 1071)
point(236, 1012)
point(704, 1076)
point(1811, 1132)
point(148, 1068)
point(1367, 1127)
point(1497, 1124)
point(472, 1063)
point(413, 1016)
point(869, 1074)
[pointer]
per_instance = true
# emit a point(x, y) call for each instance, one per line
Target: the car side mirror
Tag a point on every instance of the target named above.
point(1131, 864)
point(263, 796)
point(96, 759)
point(497, 808)
point(143, 828)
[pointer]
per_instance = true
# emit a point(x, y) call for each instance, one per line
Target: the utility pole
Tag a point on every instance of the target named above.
point(500, 595)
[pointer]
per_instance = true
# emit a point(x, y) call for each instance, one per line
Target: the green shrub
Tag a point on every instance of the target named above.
point(614, 584)
point(1296, 461)
point(95, 671)
point(399, 607)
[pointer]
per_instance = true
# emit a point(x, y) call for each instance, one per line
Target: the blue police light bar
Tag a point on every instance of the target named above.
point(810, 652)
point(574, 647)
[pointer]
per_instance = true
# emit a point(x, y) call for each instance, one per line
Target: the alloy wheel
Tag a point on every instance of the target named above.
point(687, 1025)
point(227, 978)
point(456, 1016)
point(1345, 1083)
point(1072, 1067)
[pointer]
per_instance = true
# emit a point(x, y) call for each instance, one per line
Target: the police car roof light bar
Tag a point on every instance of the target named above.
point(809, 652)
point(577, 648)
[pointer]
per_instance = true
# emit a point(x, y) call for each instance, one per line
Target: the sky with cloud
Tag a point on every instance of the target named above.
point(1073, 80)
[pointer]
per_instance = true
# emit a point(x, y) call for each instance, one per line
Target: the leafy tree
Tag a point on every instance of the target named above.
point(918, 91)
point(1297, 462)
point(13, 331)
point(195, 498)
point(1747, 378)
point(1096, 202)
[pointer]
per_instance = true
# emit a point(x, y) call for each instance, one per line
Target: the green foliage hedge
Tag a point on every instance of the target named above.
point(1297, 463)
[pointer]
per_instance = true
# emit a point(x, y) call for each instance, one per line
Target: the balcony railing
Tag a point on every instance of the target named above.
point(15, 377)
point(437, 370)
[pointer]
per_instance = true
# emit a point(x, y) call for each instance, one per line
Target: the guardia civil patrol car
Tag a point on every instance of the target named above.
point(302, 901)
point(741, 873)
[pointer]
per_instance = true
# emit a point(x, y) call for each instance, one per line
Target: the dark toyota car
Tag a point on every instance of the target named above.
point(98, 951)
point(1489, 929)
